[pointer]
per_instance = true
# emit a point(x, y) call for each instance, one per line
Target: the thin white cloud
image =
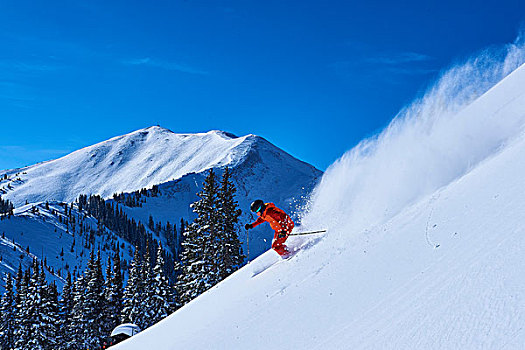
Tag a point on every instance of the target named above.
point(172, 66)
point(399, 58)
point(28, 67)
point(376, 61)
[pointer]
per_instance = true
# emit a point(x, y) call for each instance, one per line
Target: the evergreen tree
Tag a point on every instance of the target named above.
point(113, 293)
point(229, 254)
point(66, 310)
point(133, 293)
point(180, 237)
point(143, 321)
point(117, 284)
point(177, 286)
point(94, 303)
point(160, 301)
point(50, 316)
point(21, 326)
point(199, 270)
point(107, 324)
point(31, 334)
point(18, 283)
point(151, 223)
point(6, 207)
point(7, 316)
point(75, 332)
point(170, 232)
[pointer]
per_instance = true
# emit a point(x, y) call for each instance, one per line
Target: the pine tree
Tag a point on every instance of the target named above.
point(199, 269)
point(151, 223)
point(49, 315)
point(6, 207)
point(18, 283)
point(94, 303)
point(170, 232)
point(117, 284)
point(21, 326)
point(143, 321)
point(66, 310)
point(229, 254)
point(180, 236)
point(7, 316)
point(177, 286)
point(30, 333)
point(133, 293)
point(113, 294)
point(107, 324)
point(161, 299)
point(75, 331)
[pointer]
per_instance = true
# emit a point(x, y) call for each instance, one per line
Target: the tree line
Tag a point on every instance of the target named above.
point(112, 217)
point(34, 316)
point(6, 207)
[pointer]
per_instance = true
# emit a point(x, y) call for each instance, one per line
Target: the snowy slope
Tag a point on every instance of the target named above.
point(48, 238)
point(438, 266)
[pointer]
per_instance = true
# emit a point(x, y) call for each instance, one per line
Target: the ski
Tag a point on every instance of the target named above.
point(262, 269)
point(306, 233)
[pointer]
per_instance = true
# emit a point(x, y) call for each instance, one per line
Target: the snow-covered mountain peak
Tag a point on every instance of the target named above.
point(136, 160)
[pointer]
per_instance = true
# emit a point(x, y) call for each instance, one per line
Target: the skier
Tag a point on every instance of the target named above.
point(279, 221)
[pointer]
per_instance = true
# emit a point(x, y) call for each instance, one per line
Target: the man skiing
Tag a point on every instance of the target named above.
point(280, 222)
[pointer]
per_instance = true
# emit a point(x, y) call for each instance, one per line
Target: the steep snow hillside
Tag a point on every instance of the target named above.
point(178, 164)
point(44, 232)
point(439, 265)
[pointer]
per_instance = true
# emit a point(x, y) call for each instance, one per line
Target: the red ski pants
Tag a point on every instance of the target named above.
point(278, 241)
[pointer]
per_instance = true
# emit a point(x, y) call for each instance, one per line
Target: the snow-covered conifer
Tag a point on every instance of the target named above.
point(117, 282)
point(160, 301)
point(49, 316)
point(198, 266)
point(65, 312)
point(94, 303)
point(7, 315)
point(133, 293)
point(75, 330)
point(113, 295)
point(229, 255)
point(30, 333)
point(18, 282)
point(21, 326)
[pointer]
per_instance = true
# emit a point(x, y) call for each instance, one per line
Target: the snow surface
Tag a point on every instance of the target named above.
point(431, 259)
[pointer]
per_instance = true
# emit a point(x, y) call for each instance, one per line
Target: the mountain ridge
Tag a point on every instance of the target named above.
point(130, 162)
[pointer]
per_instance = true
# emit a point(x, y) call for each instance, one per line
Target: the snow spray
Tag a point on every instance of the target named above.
point(427, 145)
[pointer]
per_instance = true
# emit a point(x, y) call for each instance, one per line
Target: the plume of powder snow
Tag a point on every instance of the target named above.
point(427, 145)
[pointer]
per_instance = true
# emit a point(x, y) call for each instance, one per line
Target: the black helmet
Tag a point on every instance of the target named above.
point(257, 205)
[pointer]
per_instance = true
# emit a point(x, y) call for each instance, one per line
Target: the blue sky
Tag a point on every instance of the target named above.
point(313, 77)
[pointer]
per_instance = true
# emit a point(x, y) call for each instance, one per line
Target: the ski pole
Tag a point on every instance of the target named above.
point(306, 233)
point(248, 244)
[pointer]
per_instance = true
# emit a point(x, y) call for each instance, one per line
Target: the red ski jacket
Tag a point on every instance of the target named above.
point(278, 219)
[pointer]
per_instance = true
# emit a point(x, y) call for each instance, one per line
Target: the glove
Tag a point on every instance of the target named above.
point(248, 226)
point(282, 234)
